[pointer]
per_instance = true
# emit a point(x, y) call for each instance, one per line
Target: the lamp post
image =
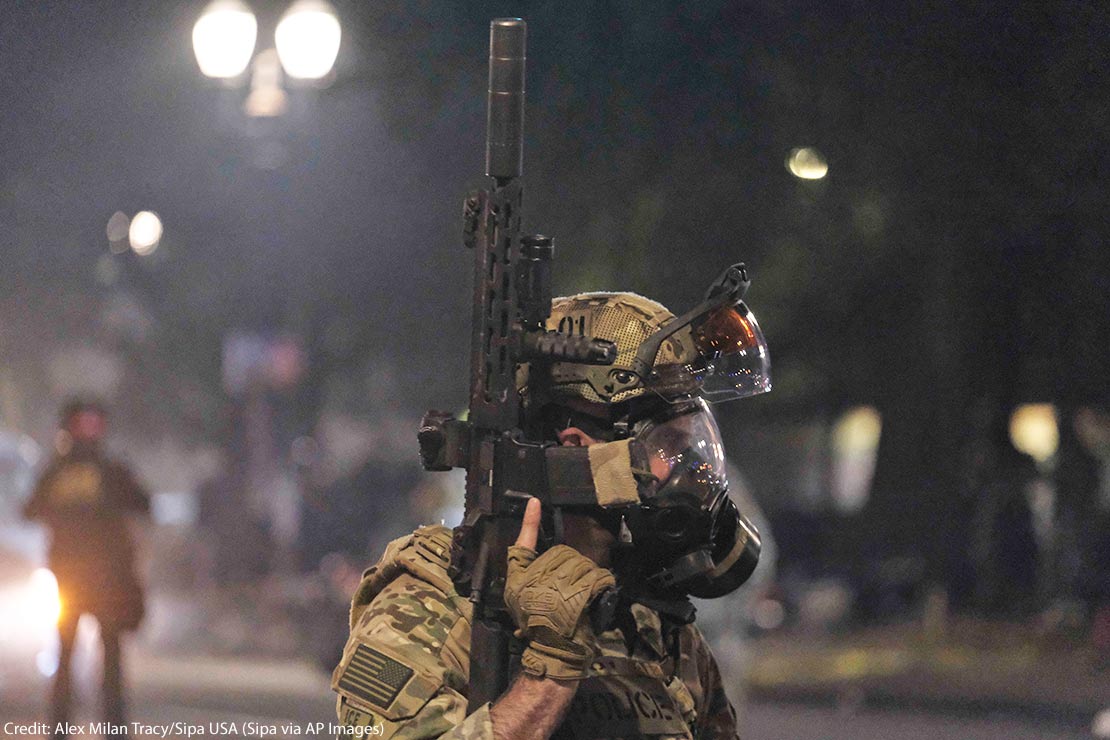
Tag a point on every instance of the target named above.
point(233, 50)
point(306, 43)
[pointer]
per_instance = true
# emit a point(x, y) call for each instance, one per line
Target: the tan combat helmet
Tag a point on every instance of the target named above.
point(626, 319)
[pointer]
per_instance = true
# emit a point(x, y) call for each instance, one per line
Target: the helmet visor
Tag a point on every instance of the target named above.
point(732, 360)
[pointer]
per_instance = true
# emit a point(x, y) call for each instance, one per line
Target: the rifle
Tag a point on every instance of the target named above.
point(497, 443)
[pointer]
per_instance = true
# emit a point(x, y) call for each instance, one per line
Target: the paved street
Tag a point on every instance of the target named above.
point(199, 697)
point(799, 722)
point(203, 697)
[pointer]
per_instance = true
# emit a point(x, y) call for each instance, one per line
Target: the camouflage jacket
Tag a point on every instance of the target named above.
point(404, 671)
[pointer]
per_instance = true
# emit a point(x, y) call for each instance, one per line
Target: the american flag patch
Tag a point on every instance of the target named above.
point(373, 677)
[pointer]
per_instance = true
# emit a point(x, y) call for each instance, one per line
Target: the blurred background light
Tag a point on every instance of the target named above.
point(855, 447)
point(145, 232)
point(769, 614)
point(174, 508)
point(223, 38)
point(117, 228)
point(807, 163)
point(858, 430)
point(267, 99)
point(1100, 727)
point(43, 604)
point(307, 39)
point(106, 270)
point(46, 661)
point(1033, 430)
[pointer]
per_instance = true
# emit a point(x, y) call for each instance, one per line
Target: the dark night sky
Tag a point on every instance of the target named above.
point(966, 144)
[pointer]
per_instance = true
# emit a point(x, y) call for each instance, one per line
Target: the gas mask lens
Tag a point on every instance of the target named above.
point(687, 445)
point(732, 359)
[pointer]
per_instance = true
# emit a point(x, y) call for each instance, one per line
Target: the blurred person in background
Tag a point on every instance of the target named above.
point(85, 498)
point(1003, 550)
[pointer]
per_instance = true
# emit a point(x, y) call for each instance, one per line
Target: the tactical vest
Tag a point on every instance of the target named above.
point(624, 697)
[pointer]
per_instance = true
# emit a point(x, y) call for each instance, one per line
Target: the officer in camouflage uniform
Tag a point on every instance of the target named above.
point(648, 672)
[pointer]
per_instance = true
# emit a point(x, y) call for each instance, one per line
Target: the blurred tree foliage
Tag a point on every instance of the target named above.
point(955, 251)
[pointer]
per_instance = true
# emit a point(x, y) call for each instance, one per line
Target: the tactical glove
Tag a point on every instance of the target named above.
point(548, 597)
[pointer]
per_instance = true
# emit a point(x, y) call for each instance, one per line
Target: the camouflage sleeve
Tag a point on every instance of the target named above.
point(443, 717)
point(716, 717)
point(404, 670)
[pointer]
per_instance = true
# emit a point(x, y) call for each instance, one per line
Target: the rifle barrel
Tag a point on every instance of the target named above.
point(505, 111)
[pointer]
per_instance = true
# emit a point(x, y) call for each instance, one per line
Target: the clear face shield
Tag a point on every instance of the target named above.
point(730, 360)
point(723, 354)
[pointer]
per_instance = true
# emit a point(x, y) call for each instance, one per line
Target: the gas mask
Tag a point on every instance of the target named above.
point(660, 471)
point(663, 492)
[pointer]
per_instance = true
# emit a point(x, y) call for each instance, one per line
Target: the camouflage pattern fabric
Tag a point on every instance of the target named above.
point(626, 319)
point(405, 668)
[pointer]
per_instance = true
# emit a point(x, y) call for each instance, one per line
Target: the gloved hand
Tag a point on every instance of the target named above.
point(548, 597)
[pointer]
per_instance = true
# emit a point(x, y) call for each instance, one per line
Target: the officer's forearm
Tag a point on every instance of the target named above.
point(532, 708)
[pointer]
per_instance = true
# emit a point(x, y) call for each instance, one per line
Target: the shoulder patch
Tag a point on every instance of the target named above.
point(373, 677)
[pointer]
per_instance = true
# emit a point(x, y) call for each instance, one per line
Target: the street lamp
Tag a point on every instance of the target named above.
point(806, 163)
point(307, 40)
point(223, 39)
point(145, 232)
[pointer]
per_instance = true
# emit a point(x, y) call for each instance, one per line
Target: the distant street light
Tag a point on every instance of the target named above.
point(807, 163)
point(145, 232)
point(307, 39)
point(1034, 430)
point(223, 39)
